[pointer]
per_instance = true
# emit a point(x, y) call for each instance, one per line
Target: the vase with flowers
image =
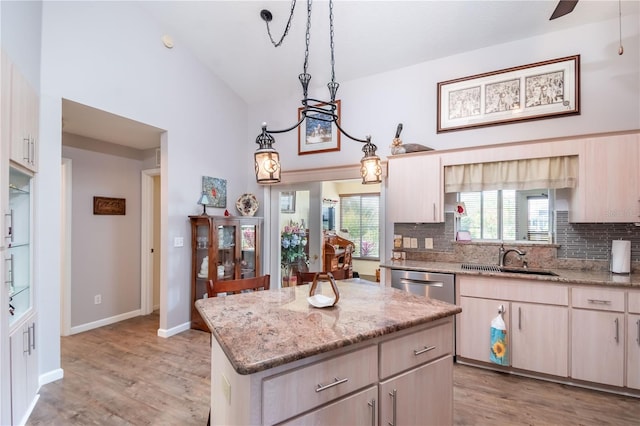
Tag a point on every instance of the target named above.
point(293, 240)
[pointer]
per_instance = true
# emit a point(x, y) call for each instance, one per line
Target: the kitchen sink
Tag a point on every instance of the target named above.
point(496, 268)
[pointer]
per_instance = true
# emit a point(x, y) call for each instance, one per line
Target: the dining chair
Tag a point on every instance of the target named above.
point(238, 286)
point(305, 277)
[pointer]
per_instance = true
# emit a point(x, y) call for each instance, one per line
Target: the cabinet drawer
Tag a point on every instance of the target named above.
point(291, 393)
point(513, 289)
point(600, 299)
point(634, 302)
point(355, 410)
point(416, 348)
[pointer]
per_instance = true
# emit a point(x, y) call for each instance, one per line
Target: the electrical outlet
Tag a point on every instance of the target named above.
point(414, 243)
point(97, 299)
point(428, 243)
point(178, 242)
point(406, 242)
point(226, 388)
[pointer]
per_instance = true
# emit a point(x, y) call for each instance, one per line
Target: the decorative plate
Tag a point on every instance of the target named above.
point(247, 204)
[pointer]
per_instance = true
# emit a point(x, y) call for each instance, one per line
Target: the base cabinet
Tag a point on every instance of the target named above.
point(597, 347)
point(413, 398)
point(357, 410)
point(537, 332)
point(473, 326)
point(633, 351)
point(24, 370)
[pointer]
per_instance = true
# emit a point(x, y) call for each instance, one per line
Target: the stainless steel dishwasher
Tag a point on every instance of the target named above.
point(429, 284)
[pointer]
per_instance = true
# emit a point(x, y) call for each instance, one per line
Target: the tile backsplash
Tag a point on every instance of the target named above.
point(577, 245)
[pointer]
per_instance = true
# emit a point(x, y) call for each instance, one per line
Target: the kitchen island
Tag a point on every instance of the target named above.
point(379, 354)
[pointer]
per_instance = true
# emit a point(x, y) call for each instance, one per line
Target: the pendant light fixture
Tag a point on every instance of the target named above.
point(267, 159)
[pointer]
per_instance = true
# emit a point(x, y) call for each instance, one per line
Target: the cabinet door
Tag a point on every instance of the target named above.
point(228, 244)
point(609, 188)
point(633, 354)
point(423, 396)
point(248, 254)
point(597, 346)
point(539, 338)
point(358, 409)
point(474, 326)
point(24, 370)
point(415, 189)
point(24, 121)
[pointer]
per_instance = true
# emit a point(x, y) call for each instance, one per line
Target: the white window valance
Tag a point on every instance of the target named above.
point(534, 173)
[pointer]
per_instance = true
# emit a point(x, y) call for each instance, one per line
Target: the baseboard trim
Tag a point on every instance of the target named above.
point(163, 332)
point(106, 321)
point(51, 376)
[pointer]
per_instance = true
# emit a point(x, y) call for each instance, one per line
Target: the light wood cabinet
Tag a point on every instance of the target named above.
point(609, 182)
point(539, 338)
point(222, 248)
point(25, 113)
point(345, 386)
point(597, 346)
point(416, 397)
point(24, 370)
point(597, 335)
point(633, 340)
point(633, 351)
point(357, 410)
point(415, 193)
point(474, 325)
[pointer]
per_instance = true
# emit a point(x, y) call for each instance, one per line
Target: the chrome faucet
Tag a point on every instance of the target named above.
point(502, 254)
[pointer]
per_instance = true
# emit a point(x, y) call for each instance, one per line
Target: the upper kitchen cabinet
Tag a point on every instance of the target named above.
point(609, 182)
point(415, 191)
point(24, 128)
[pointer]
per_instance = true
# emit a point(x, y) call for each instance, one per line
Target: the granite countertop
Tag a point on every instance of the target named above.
point(564, 276)
point(265, 329)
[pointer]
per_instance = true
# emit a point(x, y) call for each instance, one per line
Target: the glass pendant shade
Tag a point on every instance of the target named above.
point(370, 169)
point(267, 162)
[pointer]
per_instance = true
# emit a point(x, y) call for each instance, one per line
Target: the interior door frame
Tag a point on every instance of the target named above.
point(146, 240)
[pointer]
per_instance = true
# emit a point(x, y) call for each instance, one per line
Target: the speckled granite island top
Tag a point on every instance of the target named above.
point(265, 329)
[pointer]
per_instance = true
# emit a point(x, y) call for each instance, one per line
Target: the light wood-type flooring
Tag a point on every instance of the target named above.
point(123, 374)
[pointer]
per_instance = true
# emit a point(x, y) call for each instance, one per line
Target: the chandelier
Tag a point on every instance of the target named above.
point(267, 159)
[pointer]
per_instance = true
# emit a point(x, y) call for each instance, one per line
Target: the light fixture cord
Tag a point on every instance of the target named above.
point(333, 74)
point(620, 48)
point(286, 30)
point(307, 38)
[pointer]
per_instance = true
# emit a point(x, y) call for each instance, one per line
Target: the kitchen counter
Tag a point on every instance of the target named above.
point(266, 329)
point(564, 276)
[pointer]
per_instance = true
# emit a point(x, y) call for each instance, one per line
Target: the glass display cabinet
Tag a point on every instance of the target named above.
point(18, 238)
point(222, 248)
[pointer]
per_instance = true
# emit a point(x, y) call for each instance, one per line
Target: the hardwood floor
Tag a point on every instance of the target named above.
point(123, 374)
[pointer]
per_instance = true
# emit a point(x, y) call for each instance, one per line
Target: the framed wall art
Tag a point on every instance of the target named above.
point(545, 89)
point(318, 135)
point(109, 206)
point(288, 202)
point(216, 189)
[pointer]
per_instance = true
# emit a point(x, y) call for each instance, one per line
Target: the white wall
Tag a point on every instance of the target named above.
point(105, 248)
point(610, 96)
point(109, 55)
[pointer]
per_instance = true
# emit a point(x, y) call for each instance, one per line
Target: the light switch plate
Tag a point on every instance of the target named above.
point(178, 242)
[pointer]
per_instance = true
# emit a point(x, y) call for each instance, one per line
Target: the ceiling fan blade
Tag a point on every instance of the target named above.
point(564, 7)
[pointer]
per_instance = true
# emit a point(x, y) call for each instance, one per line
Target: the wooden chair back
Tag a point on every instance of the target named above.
point(305, 277)
point(237, 286)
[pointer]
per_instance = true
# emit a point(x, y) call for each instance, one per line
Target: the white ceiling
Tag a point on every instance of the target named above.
point(370, 37)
